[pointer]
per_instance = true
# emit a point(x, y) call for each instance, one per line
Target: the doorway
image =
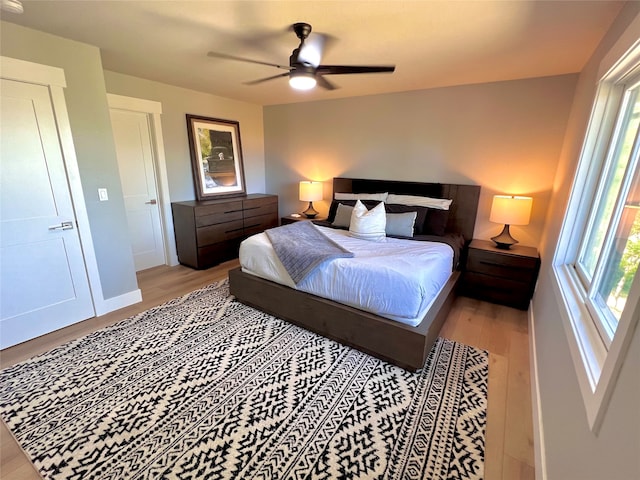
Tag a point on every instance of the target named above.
point(138, 139)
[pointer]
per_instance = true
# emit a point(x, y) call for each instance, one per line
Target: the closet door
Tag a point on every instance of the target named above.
point(43, 277)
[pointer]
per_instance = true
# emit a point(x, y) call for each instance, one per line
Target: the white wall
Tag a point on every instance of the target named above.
point(176, 103)
point(504, 136)
point(572, 451)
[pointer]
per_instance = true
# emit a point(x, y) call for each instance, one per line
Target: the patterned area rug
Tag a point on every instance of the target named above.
point(205, 387)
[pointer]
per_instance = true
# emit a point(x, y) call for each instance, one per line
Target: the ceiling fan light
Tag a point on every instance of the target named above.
point(302, 81)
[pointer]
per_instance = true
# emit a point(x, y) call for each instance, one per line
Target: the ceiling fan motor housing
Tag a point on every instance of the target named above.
point(302, 30)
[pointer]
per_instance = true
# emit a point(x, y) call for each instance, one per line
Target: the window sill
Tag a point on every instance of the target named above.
point(596, 368)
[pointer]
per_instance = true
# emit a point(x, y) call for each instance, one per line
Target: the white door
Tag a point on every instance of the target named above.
point(43, 278)
point(131, 131)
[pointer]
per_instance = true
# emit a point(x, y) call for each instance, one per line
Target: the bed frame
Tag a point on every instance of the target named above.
point(397, 343)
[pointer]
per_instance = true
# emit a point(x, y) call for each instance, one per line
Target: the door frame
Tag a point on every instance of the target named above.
point(153, 110)
point(54, 79)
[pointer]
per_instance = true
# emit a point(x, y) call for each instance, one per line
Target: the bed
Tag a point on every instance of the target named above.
point(399, 343)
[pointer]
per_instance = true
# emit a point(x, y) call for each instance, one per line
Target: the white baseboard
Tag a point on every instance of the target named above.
point(115, 303)
point(538, 427)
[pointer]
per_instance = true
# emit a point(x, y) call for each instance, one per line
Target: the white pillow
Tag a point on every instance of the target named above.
point(368, 224)
point(439, 203)
point(381, 197)
point(343, 216)
point(401, 224)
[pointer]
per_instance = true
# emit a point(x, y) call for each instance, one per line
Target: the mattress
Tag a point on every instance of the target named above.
point(397, 279)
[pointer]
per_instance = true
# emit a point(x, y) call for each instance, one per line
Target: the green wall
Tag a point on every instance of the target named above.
point(571, 449)
point(93, 139)
point(176, 102)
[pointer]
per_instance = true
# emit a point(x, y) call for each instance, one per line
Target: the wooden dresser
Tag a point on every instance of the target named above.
point(501, 276)
point(209, 232)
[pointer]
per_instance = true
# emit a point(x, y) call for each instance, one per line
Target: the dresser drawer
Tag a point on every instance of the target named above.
point(218, 213)
point(519, 268)
point(209, 232)
point(218, 252)
point(496, 289)
point(253, 225)
point(260, 206)
point(216, 218)
point(219, 232)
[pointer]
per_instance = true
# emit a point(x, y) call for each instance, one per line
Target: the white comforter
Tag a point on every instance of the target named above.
point(396, 279)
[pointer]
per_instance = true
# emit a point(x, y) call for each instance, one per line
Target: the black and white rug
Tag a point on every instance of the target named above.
point(205, 387)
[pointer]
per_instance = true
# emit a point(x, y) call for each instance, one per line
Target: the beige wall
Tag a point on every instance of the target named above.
point(176, 103)
point(572, 450)
point(504, 136)
point(93, 139)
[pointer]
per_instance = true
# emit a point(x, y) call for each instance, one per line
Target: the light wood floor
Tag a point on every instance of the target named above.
point(502, 331)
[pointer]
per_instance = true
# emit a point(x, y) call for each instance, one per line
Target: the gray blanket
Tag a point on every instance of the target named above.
point(301, 247)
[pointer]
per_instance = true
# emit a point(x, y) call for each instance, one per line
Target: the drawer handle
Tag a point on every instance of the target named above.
point(499, 265)
point(251, 208)
point(251, 226)
point(234, 230)
point(232, 211)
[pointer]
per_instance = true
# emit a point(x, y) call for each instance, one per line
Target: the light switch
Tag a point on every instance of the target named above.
point(102, 194)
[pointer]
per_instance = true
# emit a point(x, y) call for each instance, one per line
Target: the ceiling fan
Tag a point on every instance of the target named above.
point(304, 70)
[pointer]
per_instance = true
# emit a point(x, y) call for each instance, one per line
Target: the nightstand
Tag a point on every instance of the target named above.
point(289, 219)
point(507, 277)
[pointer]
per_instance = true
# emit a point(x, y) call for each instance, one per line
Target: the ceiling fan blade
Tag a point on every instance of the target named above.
point(304, 62)
point(312, 49)
point(324, 83)
point(260, 80)
point(242, 59)
point(346, 69)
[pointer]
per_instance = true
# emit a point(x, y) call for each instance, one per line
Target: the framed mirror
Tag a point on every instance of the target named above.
point(216, 157)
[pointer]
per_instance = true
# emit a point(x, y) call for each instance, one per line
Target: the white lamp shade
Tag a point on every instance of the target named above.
point(511, 210)
point(302, 81)
point(310, 191)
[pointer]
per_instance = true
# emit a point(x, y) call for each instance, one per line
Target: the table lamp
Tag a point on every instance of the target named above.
point(310, 192)
point(510, 210)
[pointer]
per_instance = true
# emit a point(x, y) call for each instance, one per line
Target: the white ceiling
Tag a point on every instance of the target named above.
point(432, 43)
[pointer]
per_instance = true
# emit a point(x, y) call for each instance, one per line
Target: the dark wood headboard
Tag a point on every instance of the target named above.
point(462, 214)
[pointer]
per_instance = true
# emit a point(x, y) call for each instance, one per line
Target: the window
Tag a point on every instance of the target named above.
point(598, 254)
point(610, 250)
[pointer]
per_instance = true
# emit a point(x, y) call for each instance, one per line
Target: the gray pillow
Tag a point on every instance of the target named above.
point(400, 224)
point(343, 216)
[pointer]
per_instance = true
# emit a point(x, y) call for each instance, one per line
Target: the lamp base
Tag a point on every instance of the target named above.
point(504, 240)
point(310, 212)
